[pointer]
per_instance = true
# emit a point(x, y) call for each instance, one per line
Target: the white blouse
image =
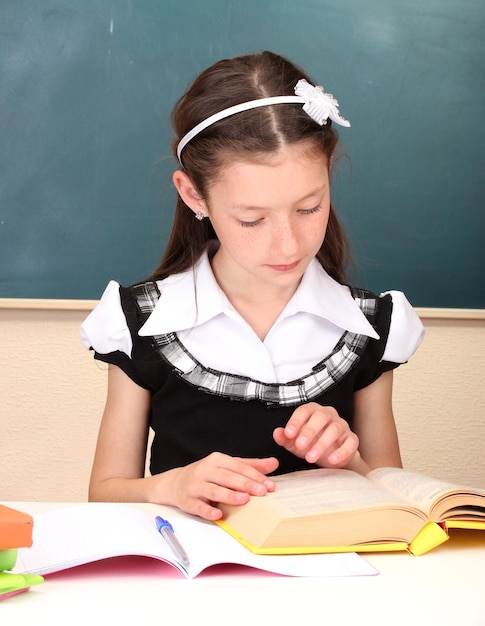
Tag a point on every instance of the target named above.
point(194, 306)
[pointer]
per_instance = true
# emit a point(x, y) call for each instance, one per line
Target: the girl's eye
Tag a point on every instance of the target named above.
point(250, 224)
point(301, 211)
point(309, 211)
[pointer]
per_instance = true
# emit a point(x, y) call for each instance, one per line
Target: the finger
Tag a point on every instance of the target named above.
point(280, 437)
point(345, 451)
point(314, 444)
point(324, 425)
point(298, 419)
point(206, 511)
point(289, 444)
point(264, 467)
point(209, 510)
point(255, 468)
point(234, 474)
point(216, 494)
point(337, 454)
point(203, 500)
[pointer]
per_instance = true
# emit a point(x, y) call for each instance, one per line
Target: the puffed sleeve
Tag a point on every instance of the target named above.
point(406, 331)
point(105, 330)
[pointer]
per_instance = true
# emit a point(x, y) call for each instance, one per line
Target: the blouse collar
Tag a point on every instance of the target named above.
point(318, 294)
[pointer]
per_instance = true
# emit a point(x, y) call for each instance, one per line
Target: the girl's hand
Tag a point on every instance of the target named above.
point(319, 435)
point(218, 478)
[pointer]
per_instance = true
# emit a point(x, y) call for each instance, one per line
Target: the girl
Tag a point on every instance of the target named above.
point(246, 352)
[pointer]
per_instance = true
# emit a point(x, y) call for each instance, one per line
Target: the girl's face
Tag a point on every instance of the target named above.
point(270, 217)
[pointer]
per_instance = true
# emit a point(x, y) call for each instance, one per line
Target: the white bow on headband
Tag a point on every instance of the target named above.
point(319, 105)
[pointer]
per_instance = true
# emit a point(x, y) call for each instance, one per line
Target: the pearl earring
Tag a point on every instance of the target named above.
point(199, 216)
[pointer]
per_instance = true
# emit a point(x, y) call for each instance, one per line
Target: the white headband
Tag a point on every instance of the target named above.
point(319, 105)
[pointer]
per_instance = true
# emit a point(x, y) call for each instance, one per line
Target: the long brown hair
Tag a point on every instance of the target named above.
point(244, 135)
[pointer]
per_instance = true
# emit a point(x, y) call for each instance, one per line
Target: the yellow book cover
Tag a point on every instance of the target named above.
point(466, 524)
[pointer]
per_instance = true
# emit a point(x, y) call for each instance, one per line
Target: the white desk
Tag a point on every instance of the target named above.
point(444, 587)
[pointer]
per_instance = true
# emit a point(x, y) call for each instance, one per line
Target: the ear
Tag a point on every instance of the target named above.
point(188, 192)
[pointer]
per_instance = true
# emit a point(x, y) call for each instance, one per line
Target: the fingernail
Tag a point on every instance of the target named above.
point(241, 497)
point(259, 489)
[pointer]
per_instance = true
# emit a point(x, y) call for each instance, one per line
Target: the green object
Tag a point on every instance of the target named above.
point(8, 558)
point(13, 583)
point(16, 582)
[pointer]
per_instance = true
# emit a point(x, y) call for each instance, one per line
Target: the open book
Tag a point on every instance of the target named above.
point(85, 533)
point(325, 510)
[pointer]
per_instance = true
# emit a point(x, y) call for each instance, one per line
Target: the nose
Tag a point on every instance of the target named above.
point(285, 240)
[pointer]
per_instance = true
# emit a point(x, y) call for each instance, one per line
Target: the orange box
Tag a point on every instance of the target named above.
point(15, 528)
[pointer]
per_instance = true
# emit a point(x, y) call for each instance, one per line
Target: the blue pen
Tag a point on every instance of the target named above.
point(166, 530)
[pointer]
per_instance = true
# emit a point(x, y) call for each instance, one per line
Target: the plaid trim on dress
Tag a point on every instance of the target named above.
point(324, 376)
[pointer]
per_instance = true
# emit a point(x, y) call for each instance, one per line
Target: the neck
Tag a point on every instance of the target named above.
point(259, 304)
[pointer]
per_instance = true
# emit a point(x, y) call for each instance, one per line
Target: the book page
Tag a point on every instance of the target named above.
point(313, 492)
point(420, 489)
point(86, 533)
point(82, 534)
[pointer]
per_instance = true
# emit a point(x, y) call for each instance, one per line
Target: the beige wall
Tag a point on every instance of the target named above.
point(52, 396)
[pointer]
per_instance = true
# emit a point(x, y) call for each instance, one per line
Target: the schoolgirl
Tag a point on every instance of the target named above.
point(247, 352)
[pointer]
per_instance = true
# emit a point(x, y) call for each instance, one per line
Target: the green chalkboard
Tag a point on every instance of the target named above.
point(87, 86)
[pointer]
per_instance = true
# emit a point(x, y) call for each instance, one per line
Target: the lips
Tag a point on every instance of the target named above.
point(285, 268)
